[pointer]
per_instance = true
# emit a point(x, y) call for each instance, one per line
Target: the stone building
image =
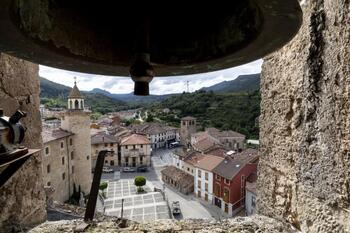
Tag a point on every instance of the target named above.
point(103, 141)
point(58, 162)
point(77, 121)
point(178, 179)
point(187, 128)
point(135, 151)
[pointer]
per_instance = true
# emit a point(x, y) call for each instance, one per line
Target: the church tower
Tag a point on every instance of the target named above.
point(187, 128)
point(77, 121)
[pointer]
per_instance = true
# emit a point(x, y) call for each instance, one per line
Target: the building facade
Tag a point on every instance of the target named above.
point(203, 182)
point(103, 141)
point(58, 165)
point(159, 134)
point(135, 151)
point(230, 179)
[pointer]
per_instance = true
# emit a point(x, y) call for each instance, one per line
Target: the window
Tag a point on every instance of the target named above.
point(47, 150)
point(227, 181)
point(199, 173)
point(87, 157)
point(217, 177)
point(206, 176)
point(141, 146)
point(126, 147)
point(253, 201)
point(72, 155)
point(183, 123)
point(206, 187)
point(188, 169)
point(62, 145)
point(72, 169)
point(134, 147)
point(226, 196)
point(111, 144)
point(141, 160)
point(106, 161)
point(48, 168)
point(217, 189)
point(62, 160)
point(63, 176)
point(48, 183)
point(199, 184)
point(71, 141)
point(106, 144)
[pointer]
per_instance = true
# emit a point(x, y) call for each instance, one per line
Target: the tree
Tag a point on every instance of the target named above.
point(139, 182)
point(103, 186)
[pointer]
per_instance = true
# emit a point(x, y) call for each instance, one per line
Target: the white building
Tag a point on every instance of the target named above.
point(160, 135)
point(203, 179)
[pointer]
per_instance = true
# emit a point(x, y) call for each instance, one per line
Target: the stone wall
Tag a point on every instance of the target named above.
point(304, 171)
point(22, 198)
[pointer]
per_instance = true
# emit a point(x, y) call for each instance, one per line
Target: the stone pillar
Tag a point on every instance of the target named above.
point(304, 170)
point(22, 198)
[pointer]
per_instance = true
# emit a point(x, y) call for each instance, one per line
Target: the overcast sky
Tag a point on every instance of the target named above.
point(159, 85)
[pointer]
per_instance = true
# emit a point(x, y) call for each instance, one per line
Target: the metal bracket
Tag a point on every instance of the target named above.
point(14, 162)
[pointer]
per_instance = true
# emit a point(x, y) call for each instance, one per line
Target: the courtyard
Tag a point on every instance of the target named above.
point(148, 206)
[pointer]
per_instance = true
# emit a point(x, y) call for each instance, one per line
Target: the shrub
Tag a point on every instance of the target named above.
point(103, 185)
point(139, 181)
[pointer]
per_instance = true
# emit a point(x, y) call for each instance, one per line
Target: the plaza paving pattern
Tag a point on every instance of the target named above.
point(139, 207)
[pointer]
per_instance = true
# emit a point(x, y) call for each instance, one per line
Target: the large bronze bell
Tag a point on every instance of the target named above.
point(105, 37)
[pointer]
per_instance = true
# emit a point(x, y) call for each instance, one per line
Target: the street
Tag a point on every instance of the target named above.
point(191, 207)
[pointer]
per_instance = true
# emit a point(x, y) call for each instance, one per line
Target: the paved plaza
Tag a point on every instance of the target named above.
point(139, 207)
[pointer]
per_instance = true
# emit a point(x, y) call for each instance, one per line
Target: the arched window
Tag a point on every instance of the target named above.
point(70, 104)
point(81, 104)
point(76, 104)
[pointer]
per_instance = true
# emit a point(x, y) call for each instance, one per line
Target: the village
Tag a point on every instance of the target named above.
point(207, 174)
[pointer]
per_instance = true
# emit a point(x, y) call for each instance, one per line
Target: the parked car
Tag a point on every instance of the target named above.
point(107, 169)
point(175, 206)
point(129, 169)
point(142, 169)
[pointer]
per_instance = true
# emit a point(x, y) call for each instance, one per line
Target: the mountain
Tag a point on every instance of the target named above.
point(54, 95)
point(242, 83)
point(131, 98)
point(227, 111)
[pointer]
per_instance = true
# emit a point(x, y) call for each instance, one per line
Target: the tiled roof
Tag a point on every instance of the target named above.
point(217, 151)
point(75, 93)
point(193, 157)
point(102, 138)
point(53, 134)
point(208, 162)
point(151, 128)
point(218, 134)
point(188, 118)
point(178, 175)
point(230, 166)
point(135, 139)
point(204, 144)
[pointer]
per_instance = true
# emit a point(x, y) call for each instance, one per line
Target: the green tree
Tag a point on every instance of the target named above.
point(103, 186)
point(139, 181)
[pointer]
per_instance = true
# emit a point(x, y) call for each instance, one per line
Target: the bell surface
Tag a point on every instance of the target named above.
point(102, 37)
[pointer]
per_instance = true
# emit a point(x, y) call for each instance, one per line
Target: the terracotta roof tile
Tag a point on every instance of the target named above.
point(135, 139)
point(49, 135)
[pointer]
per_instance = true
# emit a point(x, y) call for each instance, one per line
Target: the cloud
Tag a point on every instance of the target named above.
point(159, 85)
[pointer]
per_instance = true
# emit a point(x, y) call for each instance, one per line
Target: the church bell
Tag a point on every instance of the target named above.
point(161, 38)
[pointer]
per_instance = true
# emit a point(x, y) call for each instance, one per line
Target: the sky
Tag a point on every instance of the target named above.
point(158, 86)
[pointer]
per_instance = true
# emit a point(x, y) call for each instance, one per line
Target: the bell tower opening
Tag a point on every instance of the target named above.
point(75, 98)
